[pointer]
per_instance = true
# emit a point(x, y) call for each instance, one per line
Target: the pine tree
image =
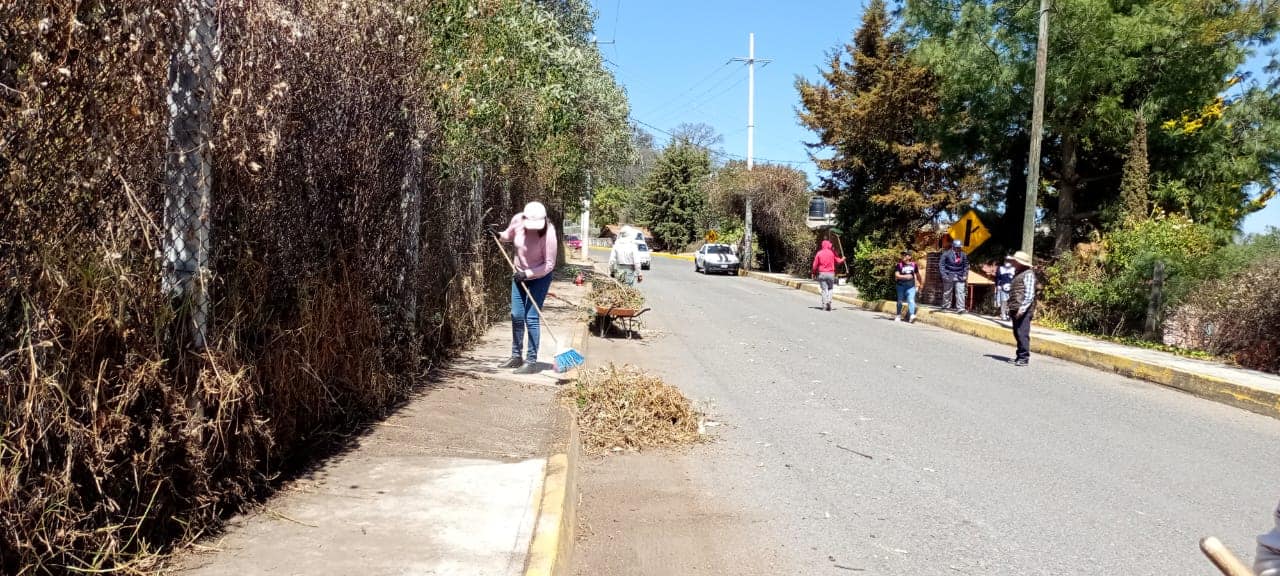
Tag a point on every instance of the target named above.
point(1135, 185)
point(676, 200)
point(869, 111)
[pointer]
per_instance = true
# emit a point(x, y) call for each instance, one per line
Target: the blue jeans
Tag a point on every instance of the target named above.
point(907, 292)
point(524, 316)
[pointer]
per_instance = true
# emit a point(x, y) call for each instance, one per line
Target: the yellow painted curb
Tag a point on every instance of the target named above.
point(667, 255)
point(551, 548)
point(1203, 386)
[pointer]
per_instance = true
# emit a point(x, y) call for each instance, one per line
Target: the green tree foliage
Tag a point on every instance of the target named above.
point(523, 90)
point(869, 112)
point(1106, 289)
point(616, 205)
point(780, 201)
point(675, 199)
point(1107, 60)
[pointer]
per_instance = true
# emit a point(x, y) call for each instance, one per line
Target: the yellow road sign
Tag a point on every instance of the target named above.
point(970, 231)
point(712, 236)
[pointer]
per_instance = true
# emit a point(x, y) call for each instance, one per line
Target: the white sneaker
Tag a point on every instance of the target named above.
point(912, 319)
point(897, 318)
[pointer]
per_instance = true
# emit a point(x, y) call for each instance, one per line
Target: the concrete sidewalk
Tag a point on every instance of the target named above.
point(1248, 389)
point(464, 479)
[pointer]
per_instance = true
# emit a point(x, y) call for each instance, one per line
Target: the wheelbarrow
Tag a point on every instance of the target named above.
point(606, 316)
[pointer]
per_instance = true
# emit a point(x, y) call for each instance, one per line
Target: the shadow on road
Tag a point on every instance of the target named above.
point(998, 357)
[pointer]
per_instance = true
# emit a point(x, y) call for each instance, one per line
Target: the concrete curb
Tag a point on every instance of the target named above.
point(551, 549)
point(1263, 402)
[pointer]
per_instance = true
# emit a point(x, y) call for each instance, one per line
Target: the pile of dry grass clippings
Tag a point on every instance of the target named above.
point(610, 294)
point(626, 408)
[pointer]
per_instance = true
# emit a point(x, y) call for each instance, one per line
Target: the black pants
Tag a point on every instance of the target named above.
point(1022, 333)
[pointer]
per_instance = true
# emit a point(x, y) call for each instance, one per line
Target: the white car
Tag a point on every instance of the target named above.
point(644, 257)
point(716, 258)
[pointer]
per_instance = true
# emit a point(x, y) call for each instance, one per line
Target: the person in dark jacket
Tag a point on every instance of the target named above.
point(1022, 304)
point(954, 268)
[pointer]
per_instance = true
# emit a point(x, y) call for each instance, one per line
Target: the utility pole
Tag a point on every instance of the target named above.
point(751, 135)
point(1037, 132)
point(585, 236)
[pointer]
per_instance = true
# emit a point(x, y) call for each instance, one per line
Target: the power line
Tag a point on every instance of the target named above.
point(721, 153)
point(677, 98)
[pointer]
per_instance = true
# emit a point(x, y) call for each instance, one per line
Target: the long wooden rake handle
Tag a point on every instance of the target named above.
point(1223, 558)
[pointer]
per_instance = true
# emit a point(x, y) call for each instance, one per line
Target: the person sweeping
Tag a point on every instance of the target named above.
point(824, 269)
point(536, 247)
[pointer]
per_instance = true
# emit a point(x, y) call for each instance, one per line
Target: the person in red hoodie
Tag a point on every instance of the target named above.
point(824, 269)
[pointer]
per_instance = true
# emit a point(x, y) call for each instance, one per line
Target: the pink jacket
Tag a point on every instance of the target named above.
point(825, 260)
point(533, 253)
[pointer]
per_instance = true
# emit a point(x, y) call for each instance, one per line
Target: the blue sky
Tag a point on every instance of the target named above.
point(671, 58)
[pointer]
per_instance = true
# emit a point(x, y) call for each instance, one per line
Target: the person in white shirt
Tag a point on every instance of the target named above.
point(623, 263)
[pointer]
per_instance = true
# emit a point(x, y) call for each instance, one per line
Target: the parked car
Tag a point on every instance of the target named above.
point(644, 256)
point(573, 241)
point(716, 258)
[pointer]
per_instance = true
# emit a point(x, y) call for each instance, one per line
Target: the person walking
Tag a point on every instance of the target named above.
point(824, 269)
point(1022, 300)
point(954, 266)
point(623, 263)
point(536, 246)
point(1004, 283)
point(1267, 560)
point(906, 276)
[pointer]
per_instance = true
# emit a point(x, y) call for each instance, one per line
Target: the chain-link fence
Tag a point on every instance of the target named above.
point(193, 77)
point(230, 237)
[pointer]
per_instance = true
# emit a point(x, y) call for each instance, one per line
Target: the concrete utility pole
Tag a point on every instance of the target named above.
point(1037, 130)
point(751, 135)
point(585, 235)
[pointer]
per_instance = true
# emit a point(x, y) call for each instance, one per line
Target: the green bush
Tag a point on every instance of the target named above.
point(1107, 290)
point(871, 269)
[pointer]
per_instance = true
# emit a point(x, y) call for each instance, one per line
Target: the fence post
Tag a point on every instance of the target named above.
point(1155, 304)
point(410, 233)
point(192, 88)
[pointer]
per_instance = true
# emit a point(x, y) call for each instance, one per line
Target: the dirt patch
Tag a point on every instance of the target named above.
point(627, 409)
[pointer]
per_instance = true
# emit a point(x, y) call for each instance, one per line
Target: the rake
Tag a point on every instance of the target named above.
point(567, 357)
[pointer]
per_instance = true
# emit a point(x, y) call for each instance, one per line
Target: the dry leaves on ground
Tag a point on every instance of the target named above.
point(626, 408)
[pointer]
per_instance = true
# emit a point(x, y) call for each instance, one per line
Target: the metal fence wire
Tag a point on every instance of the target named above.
point(193, 77)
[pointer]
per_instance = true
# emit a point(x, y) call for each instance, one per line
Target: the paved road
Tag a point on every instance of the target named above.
point(853, 442)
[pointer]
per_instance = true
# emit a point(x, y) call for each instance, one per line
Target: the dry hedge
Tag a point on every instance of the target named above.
point(118, 440)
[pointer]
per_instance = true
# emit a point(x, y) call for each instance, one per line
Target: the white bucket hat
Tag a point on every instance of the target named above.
point(535, 216)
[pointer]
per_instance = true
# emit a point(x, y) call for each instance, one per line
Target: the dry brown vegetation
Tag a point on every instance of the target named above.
point(626, 408)
point(117, 439)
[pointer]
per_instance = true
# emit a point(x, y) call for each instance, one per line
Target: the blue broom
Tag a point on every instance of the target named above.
point(567, 358)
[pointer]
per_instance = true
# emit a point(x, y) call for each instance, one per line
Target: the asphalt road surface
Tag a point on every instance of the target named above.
point(850, 444)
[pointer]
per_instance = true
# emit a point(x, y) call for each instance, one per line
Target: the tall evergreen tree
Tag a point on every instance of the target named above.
point(869, 111)
point(676, 199)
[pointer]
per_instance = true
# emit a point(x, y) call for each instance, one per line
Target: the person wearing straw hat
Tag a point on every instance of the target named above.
point(536, 247)
point(1022, 301)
